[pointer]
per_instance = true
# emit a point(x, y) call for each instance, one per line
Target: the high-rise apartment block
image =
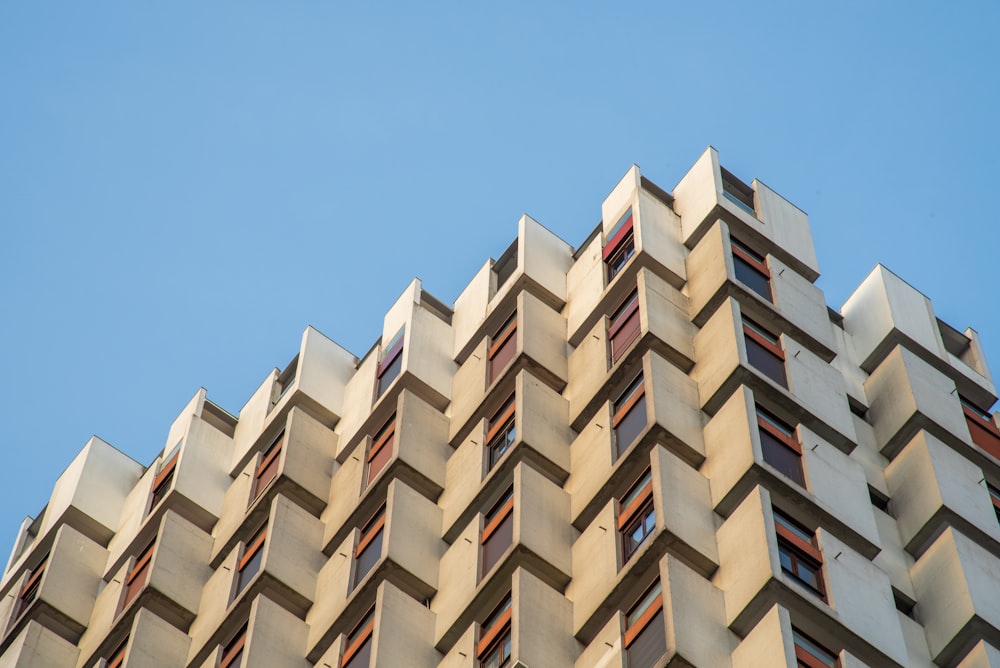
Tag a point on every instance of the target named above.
point(658, 448)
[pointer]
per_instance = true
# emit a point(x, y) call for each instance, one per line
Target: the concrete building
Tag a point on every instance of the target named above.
point(660, 447)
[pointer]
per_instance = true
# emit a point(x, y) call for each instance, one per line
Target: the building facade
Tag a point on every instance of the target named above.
point(661, 447)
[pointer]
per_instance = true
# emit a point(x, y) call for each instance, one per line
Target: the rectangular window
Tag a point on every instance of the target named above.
point(369, 549)
point(798, 553)
point(624, 327)
point(503, 348)
point(737, 192)
point(138, 574)
point(629, 415)
point(751, 269)
point(779, 445)
point(253, 555)
point(358, 643)
point(500, 433)
point(29, 592)
point(380, 450)
point(232, 653)
point(619, 246)
point(493, 648)
point(810, 654)
point(636, 517)
point(117, 656)
point(267, 470)
point(645, 632)
point(764, 352)
point(982, 429)
point(161, 483)
point(498, 531)
point(391, 363)
point(995, 498)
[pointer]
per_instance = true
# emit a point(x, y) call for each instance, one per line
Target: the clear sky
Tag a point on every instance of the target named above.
point(185, 186)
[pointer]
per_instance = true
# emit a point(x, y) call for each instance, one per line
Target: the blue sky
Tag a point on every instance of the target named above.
point(185, 186)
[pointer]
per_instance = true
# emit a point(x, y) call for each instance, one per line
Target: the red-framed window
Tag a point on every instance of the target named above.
point(161, 483)
point(751, 269)
point(117, 656)
point(995, 498)
point(810, 654)
point(503, 347)
point(232, 652)
point(799, 553)
point(636, 517)
point(619, 246)
point(358, 643)
point(391, 363)
point(498, 531)
point(501, 433)
point(645, 632)
point(369, 549)
point(380, 450)
point(982, 429)
point(29, 592)
point(267, 470)
point(493, 648)
point(138, 575)
point(250, 560)
point(624, 326)
point(628, 416)
point(764, 351)
point(780, 446)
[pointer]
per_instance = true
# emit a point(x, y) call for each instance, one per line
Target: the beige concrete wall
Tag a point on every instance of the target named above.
point(584, 286)
point(694, 613)
point(253, 417)
point(468, 388)
point(983, 655)
point(543, 257)
point(37, 647)
point(324, 370)
point(308, 457)
point(412, 530)
point(718, 351)
point(471, 308)
point(917, 655)
point(787, 225)
point(201, 474)
point(333, 586)
point(275, 637)
point(541, 622)
point(292, 552)
point(541, 335)
point(358, 397)
point(697, 193)
point(769, 644)
point(748, 552)
point(403, 631)
point(179, 567)
point(541, 519)
point(154, 643)
point(672, 405)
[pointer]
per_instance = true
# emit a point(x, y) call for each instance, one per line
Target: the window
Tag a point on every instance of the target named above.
point(493, 649)
point(500, 433)
point(764, 352)
point(117, 656)
point(982, 429)
point(737, 192)
point(645, 632)
point(138, 574)
point(29, 592)
point(810, 654)
point(623, 327)
point(267, 470)
point(498, 530)
point(751, 269)
point(369, 549)
point(358, 643)
point(232, 653)
point(800, 557)
point(503, 347)
point(629, 415)
point(253, 555)
point(779, 445)
point(380, 450)
point(620, 245)
point(995, 498)
point(391, 364)
point(636, 518)
point(161, 483)
point(284, 382)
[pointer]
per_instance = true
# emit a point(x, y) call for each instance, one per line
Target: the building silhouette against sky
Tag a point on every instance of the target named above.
point(660, 447)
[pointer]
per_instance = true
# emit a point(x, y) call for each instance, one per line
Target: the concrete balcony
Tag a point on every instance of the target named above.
point(406, 553)
point(539, 538)
point(600, 465)
point(858, 597)
point(597, 363)
point(684, 527)
point(815, 394)
point(538, 629)
point(536, 262)
point(498, 357)
point(933, 487)
point(149, 641)
point(652, 238)
point(772, 643)
point(796, 306)
point(692, 618)
point(417, 452)
point(297, 466)
point(58, 591)
point(885, 312)
point(475, 471)
point(958, 597)
point(833, 491)
point(272, 638)
point(37, 647)
point(755, 213)
point(400, 634)
point(315, 380)
point(982, 655)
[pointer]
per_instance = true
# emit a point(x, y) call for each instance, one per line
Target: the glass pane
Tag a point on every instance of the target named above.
point(651, 644)
point(781, 457)
point(636, 612)
point(266, 475)
point(625, 336)
point(368, 558)
point(621, 257)
point(635, 533)
point(503, 356)
point(750, 277)
point(496, 545)
point(814, 649)
point(378, 462)
point(765, 361)
point(363, 657)
point(630, 426)
point(250, 569)
point(389, 375)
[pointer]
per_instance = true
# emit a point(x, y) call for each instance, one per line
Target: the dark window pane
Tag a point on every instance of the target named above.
point(368, 558)
point(781, 457)
point(766, 362)
point(635, 532)
point(630, 426)
point(378, 462)
point(363, 657)
point(501, 443)
point(625, 336)
point(650, 645)
point(389, 375)
point(498, 655)
point(752, 278)
point(498, 542)
point(621, 256)
point(503, 356)
point(250, 569)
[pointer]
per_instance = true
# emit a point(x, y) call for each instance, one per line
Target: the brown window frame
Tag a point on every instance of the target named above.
point(499, 348)
point(358, 636)
point(370, 530)
point(800, 542)
point(139, 572)
point(633, 393)
point(624, 319)
point(267, 469)
point(769, 343)
point(755, 262)
point(619, 246)
point(29, 591)
point(232, 652)
point(117, 656)
point(383, 440)
point(983, 431)
point(805, 658)
point(163, 479)
point(785, 434)
point(390, 356)
point(653, 606)
point(494, 630)
point(501, 430)
point(493, 519)
point(639, 508)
